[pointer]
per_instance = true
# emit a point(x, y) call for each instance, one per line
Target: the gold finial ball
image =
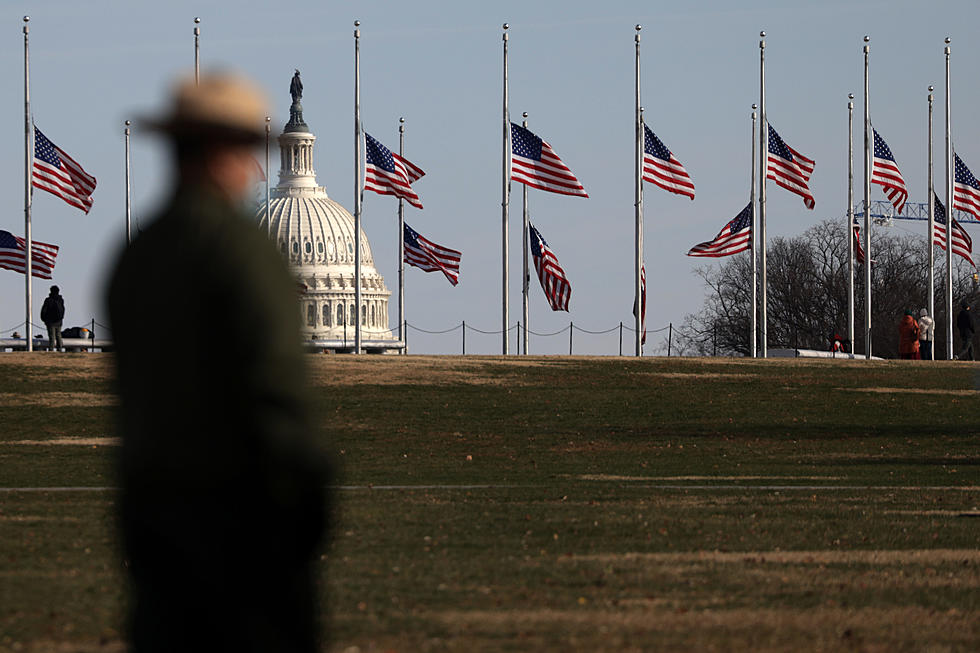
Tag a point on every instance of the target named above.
point(401, 120)
point(930, 88)
point(850, 96)
point(197, 19)
point(754, 106)
point(268, 118)
point(27, 19)
point(866, 38)
point(128, 123)
point(506, 25)
point(948, 40)
point(357, 23)
point(524, 114)
point(638, 27)
point(762, 34)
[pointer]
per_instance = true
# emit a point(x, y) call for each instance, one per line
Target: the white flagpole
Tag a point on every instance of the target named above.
point(357, 187)
point(197, 50)
point(526, 276)
point(753, 325)
point(401, 244)
point(268, 173)
point(932, 232)
point(850, 221)
point(505, 203)
point(129, 204)
point(638, 198)
point(763, 171)
point(867, 202)
point(949, 218)
point(28, 180)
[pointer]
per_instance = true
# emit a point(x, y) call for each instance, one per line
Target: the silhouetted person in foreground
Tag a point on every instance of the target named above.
point(964, 324)
point(53, 314)
point(222, 504)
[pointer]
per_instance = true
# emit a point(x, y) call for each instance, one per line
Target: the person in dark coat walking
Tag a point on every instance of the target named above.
point(964, 324)
point(222, 502)
point(53, 315)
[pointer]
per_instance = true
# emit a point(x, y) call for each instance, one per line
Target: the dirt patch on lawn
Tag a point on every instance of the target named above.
point(915, 391)
point(698, 375)
point(57, 399)
point(399, 370)
point(84, 442)
point(612, 477)
point(31, 519)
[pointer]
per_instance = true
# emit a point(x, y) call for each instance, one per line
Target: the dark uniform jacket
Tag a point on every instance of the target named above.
point(53, 309)
point(222, 503)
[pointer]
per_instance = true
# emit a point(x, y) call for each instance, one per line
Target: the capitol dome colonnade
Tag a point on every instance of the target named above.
point(316, 235)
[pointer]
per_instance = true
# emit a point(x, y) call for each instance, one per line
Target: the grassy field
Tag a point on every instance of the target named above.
point(557, 504)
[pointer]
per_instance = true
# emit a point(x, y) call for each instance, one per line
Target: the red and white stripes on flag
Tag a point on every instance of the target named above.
point(858, 249)
point(966, 189)
point(535, 164)
point(961, 241)
point(788, 168)
point(426, 255)
point(13, 255)
point(735, 237)
point(661, 167)
point(550, 274)
point(59, 174)
point(386, 173)
point(885, 173)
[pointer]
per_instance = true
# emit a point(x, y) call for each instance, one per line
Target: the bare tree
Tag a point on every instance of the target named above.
point(807, 282)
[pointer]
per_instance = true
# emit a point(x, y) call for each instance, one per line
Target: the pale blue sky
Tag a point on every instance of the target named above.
point(94, 64)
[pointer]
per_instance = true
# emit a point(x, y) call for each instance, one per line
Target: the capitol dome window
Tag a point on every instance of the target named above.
point(310, 315)
point(326, 315)
point(282, 246)
point(353, 315)
point(363, 315)
point(340, 315)
point(319, 247)
point(332, 249)
point(295, 247)
point(372, 315)
point(308, 247)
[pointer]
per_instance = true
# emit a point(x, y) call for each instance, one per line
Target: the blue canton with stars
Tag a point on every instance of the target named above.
point(881, 148)
point(524, 143)
point(963, 174)
point(778, 147)
point(743, 220)
point(44, 150)
point(654, 146)
point(378, 155)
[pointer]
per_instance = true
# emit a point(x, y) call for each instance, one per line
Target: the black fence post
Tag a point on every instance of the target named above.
point(670, 336)
point(620, 338)
point(571, 329)
point(91, 333)
point(464, 337)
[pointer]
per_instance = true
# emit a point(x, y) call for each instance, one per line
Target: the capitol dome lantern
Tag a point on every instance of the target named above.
point(316, 234)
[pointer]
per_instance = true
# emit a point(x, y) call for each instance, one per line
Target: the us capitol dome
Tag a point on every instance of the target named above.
point(316, 234)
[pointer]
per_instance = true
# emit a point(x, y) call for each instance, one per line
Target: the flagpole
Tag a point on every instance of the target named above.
point(949, 218)
point(932, 231)
point(850, 221)
point(129, 204)
point(357, 187)
point(197, 50)
point(638, 198)
point(505, 202)
point(525, 277)
point(763, 171)
point(401, 244)
point(268, 172)
point(867, 202)
point(753, 325)
point(28, 180)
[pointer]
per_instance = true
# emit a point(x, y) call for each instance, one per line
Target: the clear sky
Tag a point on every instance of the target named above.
point(439, 64)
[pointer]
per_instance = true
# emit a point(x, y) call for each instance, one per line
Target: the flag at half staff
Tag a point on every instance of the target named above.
point(885, 173)
point(13, 255)
point(643, 304)
point(962, 243)
point(550, 274)
point(662, 168)
point(788, 168)
point(735, 237)
point(59, 174)
point(966, 190)
point(858, 249)
point(535, 164)
point(386, 173)
point(429, 257)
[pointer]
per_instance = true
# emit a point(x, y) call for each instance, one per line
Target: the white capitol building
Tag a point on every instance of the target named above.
point(317, 235)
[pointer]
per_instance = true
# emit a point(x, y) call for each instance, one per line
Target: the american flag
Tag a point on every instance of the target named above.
point(858, 249)
point(789, 169)
point(535, 164)
point(426, 255)
point(735, 237)
point(13, 254)
point(643, 304)
point(662, 168)
point(386, 173)
point(552, 277)
point(886, 174)
point(962, 243)
point(966, 190)
point(59, 174)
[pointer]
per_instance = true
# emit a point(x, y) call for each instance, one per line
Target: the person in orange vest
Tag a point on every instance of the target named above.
point(908, 337)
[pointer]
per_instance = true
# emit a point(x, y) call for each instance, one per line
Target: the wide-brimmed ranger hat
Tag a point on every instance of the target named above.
point(223, 106)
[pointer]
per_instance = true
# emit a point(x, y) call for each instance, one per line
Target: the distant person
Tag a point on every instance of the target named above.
point(927, 332)
point(908, 337)
point(53, 314)
point(964, 324)
point(222, 504)
point(836, 344)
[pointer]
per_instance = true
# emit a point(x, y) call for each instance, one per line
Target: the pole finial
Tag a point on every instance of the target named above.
point(754, 106)
point(357, 23)
point(128, 123)
point(401, 120)
point(850, 96)
point(506, 25)
point(762, 34)
point(866, 38)
point(197, 19)
point(525, 114)
point(948, 40)
point(931, 88)
point(27, 19)
point(638, 27)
